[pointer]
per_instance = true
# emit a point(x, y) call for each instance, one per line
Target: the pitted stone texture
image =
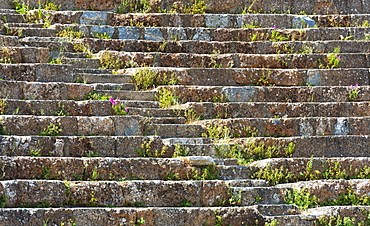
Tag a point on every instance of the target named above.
point(129, 33)
point(103, 29)
point(115, 216)
point(153, 34)
point(303, 22)
point(327, 190)
point(34, 192)
point(297, 166)
point(101, 5)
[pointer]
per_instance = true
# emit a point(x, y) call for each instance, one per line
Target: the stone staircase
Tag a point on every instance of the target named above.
point(268, 121)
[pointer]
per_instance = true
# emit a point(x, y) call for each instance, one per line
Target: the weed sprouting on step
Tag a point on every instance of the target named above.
point(70, 34)
point(2, 106)
point(3, 199)
point(204, 173)
point(134, 6)
point(52, 130)
point(353, 92)
point(95, 96)
point(147, 149)
point(58, 60)
point(40, 15)
point(83, 48)
point(197, 7)
point(166, 98)
point(302, 198)
point(5, 56)
point(145, 78)
point(138, 221)
point(180, 151)
point(185, 203)
point(119, 106)
point(109, 61)
point(332, 60)
point(103, 35)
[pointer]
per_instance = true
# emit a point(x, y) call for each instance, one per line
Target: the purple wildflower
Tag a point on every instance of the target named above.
point(126, 109)
point(274, 27)
point(353, 86)
point(338, 58)
point(112, 101)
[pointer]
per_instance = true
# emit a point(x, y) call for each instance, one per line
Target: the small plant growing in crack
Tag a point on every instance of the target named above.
point(52, 130)
point(353, 92)
point(119, 106)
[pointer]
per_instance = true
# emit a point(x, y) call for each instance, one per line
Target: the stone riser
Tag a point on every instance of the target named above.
point(37, 72)
point(262, 77)
point(323, 189)
point(44, 91)
point(78, 169)
point(282, 127)
point(279, 110)
point(299, 166)
point(126, 193)
point(200, 34)
point(25, 54)
point(77, 146)
point(287, 61)
point(318, 146)
point(216, 7)
point(67, 91)
point(94, 125)
point(82, 108)
point(201, 47)
point(170, 216)
point(269, 93)
point(202, 20)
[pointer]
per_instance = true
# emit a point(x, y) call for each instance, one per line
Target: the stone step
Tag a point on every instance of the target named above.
point(262, 77)
point(194, 46)
point(175, 130)
point(73, 125)
point(207, 110)
point(24, 25)
point(77, 146)
point(24, 54)
point(32, 31)
point(220, 34)
point(154, 112)
point(270, 93)
point(126, 193)
point(103, 78)
point(12, 17)
point(319, 146)
point(288, 61)
point(202, 34)
point(130, 95)
point(212, 20)
point(286, 127)
point(263, 195)
point(80, 108)
point(93, 71)
point(98, 169)
point(37, 72)
point(323, 189)
point(166, 216)
point(238, 20)
point(315, 168)
point(361, 213)
point(129, 125)
point(82, 62)
point(44, 90)
point(216, 7)
point(9, 40)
